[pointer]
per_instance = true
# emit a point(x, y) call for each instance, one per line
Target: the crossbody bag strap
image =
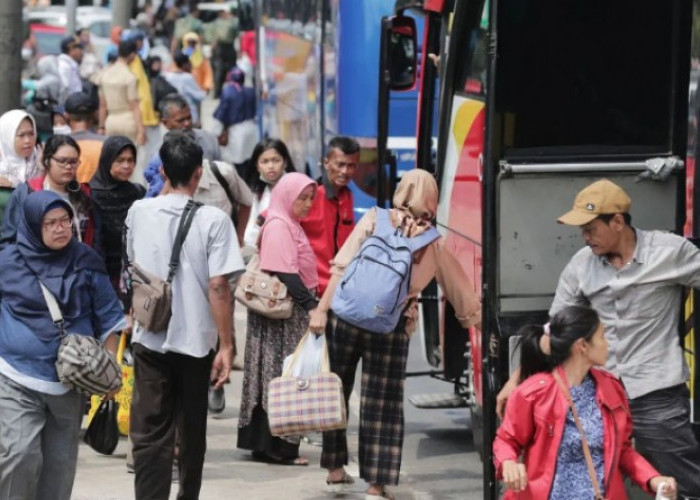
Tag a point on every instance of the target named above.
point(54, 309)
point(182, 230)
point(584, 443)
point(217, 173)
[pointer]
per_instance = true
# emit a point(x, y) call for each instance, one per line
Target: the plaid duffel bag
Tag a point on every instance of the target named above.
point(297, 406)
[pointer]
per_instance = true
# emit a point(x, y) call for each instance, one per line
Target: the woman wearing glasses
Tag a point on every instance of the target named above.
point(40, 415)
point(60, 160)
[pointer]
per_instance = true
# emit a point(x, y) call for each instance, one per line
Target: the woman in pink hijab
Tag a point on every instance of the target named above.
point(284, 251)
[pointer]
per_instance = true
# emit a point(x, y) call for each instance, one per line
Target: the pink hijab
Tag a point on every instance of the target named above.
point(284, 247)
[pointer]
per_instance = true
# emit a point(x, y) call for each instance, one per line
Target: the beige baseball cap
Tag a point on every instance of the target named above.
point(601, 197)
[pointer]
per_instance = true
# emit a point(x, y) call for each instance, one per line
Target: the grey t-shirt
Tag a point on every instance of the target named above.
point(210, 249)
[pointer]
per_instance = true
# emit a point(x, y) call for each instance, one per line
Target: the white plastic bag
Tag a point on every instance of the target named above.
point(309, 357)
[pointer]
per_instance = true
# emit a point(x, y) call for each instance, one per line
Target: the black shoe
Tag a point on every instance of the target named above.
point(217, 400)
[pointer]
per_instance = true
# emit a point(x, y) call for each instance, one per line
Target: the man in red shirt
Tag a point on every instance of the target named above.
point(331, 219)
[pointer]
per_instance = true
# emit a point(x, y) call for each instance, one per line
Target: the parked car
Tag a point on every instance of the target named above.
point(97, 20)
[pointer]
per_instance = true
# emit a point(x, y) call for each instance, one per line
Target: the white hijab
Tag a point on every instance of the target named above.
point(13, 167)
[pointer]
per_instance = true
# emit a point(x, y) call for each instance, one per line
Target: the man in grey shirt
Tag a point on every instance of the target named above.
point(634, 280)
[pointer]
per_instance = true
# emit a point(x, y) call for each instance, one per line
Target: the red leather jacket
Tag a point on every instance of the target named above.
point(534, 424)
point(328, 225)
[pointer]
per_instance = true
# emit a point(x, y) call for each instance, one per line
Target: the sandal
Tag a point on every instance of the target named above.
point(340, 486)
point(384, 495)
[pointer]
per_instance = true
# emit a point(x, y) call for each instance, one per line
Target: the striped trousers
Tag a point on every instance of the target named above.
point(381, 400)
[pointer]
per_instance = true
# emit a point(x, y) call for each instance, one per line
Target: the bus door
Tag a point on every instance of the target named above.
point(577, 91)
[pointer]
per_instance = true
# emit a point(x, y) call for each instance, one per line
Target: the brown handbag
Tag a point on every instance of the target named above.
point(151, 295)
point(586, 450)
point(262, 293)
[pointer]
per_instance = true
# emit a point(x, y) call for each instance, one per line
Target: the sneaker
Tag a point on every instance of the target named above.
point(217, 400)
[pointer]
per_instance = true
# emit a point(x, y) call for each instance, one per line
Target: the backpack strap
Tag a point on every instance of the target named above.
point(219, 177)
point(184, 227)
point(383, 225)
point(423, 240)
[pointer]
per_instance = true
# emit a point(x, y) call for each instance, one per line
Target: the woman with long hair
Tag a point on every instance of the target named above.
point(560, 361)
point(284, 251)
point(271, 160)
point(60, 159)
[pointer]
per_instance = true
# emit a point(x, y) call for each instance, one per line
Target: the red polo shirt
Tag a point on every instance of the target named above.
point(328, 225)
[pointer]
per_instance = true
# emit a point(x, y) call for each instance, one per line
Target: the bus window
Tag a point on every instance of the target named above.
point(595, 60)
point(470, 71)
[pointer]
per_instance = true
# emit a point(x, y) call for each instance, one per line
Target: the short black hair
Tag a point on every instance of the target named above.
point(608, 217)
point(181, 157)
point(347, 145)
point(173, 99)
point(181, 59)
point(126, 48)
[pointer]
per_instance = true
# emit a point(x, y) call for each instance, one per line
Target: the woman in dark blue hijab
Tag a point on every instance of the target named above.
point(41, 416)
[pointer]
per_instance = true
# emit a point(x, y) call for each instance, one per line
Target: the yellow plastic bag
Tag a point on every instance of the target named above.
point(123, 397)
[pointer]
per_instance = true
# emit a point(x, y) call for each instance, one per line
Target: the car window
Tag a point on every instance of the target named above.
point(100, 28)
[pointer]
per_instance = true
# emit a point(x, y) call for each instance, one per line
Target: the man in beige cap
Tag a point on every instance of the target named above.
point(633, 279)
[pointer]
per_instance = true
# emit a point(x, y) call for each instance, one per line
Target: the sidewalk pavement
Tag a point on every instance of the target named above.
point(228, 471)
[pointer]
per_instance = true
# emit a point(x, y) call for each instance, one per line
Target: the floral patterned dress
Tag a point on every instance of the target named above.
point(571, 479)
point(268, 342)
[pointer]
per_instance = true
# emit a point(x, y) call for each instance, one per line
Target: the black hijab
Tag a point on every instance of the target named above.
point(103, 180)
point(113, 199)
point(28, 260)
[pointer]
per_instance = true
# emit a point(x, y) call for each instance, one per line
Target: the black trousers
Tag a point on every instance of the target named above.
point(663, 435)
point(170, 392)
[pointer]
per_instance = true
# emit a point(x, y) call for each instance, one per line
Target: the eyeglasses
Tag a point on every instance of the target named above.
point(62, 222)
point(66, 162)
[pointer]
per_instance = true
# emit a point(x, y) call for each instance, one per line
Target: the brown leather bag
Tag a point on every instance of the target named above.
point(151, 295)
point(262, 293)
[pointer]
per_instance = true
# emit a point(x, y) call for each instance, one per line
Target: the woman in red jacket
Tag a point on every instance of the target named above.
point(539, 425)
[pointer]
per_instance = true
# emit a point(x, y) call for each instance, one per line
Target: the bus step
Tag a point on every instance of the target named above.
point(439, 400)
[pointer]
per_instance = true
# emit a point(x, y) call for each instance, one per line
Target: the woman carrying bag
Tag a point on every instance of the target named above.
point(40, 415)
point(563, 395)
point(285, 252)
point(384, 352)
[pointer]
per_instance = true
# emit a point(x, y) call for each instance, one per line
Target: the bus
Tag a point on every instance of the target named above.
point(537, 99)
point(318, 71)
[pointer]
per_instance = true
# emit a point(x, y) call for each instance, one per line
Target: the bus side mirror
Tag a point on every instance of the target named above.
point(401, 52)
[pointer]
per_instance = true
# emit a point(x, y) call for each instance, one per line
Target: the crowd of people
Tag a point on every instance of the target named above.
point(105, 189)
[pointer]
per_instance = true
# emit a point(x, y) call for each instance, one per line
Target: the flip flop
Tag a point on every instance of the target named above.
point(340, 486)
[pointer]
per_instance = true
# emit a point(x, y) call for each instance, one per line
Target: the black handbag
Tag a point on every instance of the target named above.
point(102, 434)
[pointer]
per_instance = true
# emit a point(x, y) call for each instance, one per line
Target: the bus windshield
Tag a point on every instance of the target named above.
point(585, 77)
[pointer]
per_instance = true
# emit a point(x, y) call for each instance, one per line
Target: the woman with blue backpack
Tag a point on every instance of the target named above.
point(376, 277)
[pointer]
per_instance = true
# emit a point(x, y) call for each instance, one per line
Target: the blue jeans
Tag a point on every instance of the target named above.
point(39, 437)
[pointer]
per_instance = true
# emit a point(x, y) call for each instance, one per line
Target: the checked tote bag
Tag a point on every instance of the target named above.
point(307, 404)
point(83, 363)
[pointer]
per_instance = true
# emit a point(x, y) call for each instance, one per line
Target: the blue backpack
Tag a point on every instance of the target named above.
point(372, 293)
